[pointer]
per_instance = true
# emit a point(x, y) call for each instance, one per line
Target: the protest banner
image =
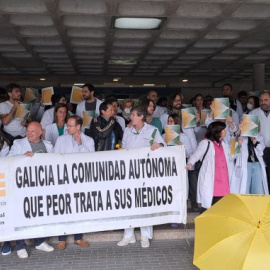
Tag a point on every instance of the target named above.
point(52, 194)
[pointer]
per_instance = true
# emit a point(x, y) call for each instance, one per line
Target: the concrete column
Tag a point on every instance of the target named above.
point(258, 77)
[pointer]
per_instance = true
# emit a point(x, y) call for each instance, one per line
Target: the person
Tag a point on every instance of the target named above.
point(126, 107)
point(249, 174)
point(37, 108)
point(4, 145)
point(252, 103)
point(138, 135)
point(201, 130)
point(227, 91)
point(153, 95)
point(207, 101)
point(162, 102)
point(29, 146)
point(73, 142)
point(89, 103)
point(150, 119)
point(104, 129)
point(48, 115)
point(174, 119)
point(242, 97)
point(59, 127)
point(213, 180)
point(263, 114)
point(13, 128)
point(119, 119)
point(230, 121)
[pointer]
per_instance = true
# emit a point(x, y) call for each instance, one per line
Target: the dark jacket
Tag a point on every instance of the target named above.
point(101, 131)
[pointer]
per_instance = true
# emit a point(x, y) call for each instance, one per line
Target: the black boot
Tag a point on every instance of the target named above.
point(195, 207)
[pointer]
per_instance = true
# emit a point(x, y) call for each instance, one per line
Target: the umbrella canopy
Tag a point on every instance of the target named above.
point(234, 234)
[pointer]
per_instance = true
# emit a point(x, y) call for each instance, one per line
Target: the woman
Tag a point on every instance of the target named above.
point(126, 107)
point(58, 128)
point(252, 103)
point(150, 107)
point(213, 181)
point(138, 135)
point(249, 174)
point(4, 145)
point(174, 119)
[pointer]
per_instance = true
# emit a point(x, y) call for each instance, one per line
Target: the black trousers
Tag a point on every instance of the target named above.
point(266, 158)
point(193, 182)
point(214, 200)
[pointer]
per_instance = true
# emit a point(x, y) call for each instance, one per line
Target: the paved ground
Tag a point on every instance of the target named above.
point(162, 254)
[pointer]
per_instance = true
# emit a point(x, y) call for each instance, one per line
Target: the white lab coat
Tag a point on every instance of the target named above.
point(159, 111)
point(229, 132)
point(47, 118)
point(4, 150)
point(81, 108)
point(121, 121)
point(51, 133)
point(66, 144)
point(205, 188)
point(21, 146)
point(239, 176)
point(184, 139)
point(190, 132)
point(132, 140)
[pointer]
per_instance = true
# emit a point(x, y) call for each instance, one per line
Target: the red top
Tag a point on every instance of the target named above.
point(221, 179)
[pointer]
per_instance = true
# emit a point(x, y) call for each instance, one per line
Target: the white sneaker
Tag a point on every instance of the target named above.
point(22, 253)
point(145, 242)
point(45, 247)
point(127, 240)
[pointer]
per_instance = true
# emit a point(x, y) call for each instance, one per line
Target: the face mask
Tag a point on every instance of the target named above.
point(249, 106)
point(127, 110)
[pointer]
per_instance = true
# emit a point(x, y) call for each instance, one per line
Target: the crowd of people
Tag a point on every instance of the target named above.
point(60, 129)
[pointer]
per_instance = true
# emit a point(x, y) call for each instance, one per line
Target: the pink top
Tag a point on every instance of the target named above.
point(221, 179)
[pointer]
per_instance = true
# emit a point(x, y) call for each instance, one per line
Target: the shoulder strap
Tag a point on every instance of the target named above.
point(206, 151)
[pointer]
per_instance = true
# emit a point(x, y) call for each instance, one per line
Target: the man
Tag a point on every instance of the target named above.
point(73, 142)
point(29, 146)
point(235, 104)
point(159, 111)
point(90, 103)
point(104, 129)
point(13, 128)
point(48, 116)
point(263, 114)
point(243, 97)
point(140, 134)
point(119, 119)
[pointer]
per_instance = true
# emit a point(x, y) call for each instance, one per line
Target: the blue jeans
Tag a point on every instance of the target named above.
point(20, 244)
point(76, 237)
point(254, 178)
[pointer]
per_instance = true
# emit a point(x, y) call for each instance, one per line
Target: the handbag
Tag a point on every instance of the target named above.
point(198, 164)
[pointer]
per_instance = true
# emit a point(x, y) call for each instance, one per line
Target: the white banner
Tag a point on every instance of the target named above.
point(53, 194)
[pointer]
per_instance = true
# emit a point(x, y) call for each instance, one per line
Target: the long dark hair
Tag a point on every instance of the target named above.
point(56, 108)
point(176, 119)
point(3, 140)
point(146, 103)
point(213, 132)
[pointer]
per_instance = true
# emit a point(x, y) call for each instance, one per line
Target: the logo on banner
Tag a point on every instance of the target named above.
point(2, 185)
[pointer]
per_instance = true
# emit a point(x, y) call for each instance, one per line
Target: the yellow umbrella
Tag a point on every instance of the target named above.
point(234, 234)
